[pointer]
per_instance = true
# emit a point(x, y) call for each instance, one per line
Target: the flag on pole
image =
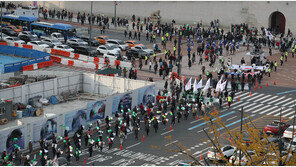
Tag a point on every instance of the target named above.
point(197, 85)
point(188, 85)
point(207, 86)
point(222, 86)
point(218, 85)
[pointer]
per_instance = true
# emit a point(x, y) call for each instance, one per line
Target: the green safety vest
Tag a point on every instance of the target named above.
point(154, 55)
point(275, 64)
point(293, 50)
point(146, 58)
point(286, 53)
point(167, 34)
point(180, 33)
point(162, 38)
point(282, 57)
point(269, 70)
point(208, 73)
point(165, 52)
point(229, 99)
point(153, 36)
point(174, 48)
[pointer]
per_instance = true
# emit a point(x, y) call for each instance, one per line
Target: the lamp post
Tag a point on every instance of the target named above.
point(115, 4)
point(91, 6)
point(1, 22)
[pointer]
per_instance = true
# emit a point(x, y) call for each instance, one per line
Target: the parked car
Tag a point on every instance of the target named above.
point(56, 35)
point(77, 41)
point(64, 48)
point(288, 132)
point(291, 145)
point(123, 46)
point(102, 39)
point(27, 38)
point(108, 48)
point(131, 53)
point(15, 29)
point(92, 41)
point(28, 33)
point(38, 44)
point(117, 56)
point(276, 127)
point(9, 32)
point(85, 50)
point(214, 154)
point(132, 43)
point(234, 159)
point(143, 48)
point(51, 42)
point(14, 40)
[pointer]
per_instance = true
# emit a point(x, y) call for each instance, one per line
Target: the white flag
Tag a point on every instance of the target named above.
point(218, 85)
point(188, 85)
point(222, 86)
point(197, 85)
point(207, 85)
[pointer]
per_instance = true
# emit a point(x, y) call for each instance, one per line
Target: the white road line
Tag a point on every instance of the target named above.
point(244, 104)
point(171, 143)
point(266, 106)
point(285, 111)
point(253, 94)
point(266, 96)
point(289, 113)
point(256, 106)
point(167, 132)
point(275, 111)
point(231, 118)
point(255, 97)
point(133, 145)
point(269, 99)
point(291, 102)
point(288, 99)
point(274, 101)
point(195, 121)
point(268, 109)
point(198, 152)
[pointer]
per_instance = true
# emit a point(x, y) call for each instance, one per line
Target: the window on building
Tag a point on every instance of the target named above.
point(2, 111)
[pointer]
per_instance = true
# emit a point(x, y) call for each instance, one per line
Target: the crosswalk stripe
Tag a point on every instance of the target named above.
point(255, 97)
point(289, 113)
point(253, 94)
point(274, 101)
point(239, 93)
point(275, 111)
point(282, 102)
point(266, 96)
point(266, 106)
point(269, 99)
point(284, 112)
point(246, 104)
point(268, 110)
point(291, 102)
point(252, 108)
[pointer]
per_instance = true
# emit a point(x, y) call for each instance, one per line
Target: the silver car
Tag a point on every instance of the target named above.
point(76, 41)
point(51, 42)
point(123, 46)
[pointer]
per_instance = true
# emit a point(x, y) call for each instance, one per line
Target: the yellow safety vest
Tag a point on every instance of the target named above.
point(282, 57)
point(153, 36)
point(275, 64)
point(154, 55)
point(165, 52)
point(293, 50)
point(174, 48)
point(167, 34)
point(286, 53)
point(229, 99)
point(146, 58)
point(162, 38)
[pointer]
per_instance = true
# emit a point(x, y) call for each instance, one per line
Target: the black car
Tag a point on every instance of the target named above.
point(27, 38)
point(92, 41)
point(133, 53)
point(9, 32)
point(85, 50)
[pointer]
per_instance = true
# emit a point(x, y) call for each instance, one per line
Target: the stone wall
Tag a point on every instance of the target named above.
point(252, 12)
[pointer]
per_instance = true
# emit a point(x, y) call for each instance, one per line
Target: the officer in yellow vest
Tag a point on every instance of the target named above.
point(174, 50)
point(282, 59)
point(167, 36)
point(154, 38)
point(229, 99)
point(154, 56)
point(275, 65)
point(293, 50)
point(162, 40)
point(146, 59)
point(269, 71)
point(286, 56)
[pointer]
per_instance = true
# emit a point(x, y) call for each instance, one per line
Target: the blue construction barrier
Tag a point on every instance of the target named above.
point(34, 55)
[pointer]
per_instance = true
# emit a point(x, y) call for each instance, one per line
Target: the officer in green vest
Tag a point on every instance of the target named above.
point(269, 71)
point(146, 60)
point(275, 65)
point(167, 36)
point(282, 58)
point(293, 50)
point(162, 40)
point(174, 50)
point(286, 56)
point(154, 56)
point(154, 38)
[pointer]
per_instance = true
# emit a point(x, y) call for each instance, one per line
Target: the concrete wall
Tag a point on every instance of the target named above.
point(254, 13)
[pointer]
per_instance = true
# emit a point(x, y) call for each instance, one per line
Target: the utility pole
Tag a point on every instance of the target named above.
point(1, 21)
point(280, 141)
point(115, 20)
point(241, 133)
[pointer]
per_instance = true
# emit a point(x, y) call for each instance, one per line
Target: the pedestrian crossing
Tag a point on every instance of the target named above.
point(264, 104)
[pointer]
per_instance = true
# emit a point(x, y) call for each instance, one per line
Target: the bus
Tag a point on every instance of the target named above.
point(44, 29)
point(21, 21)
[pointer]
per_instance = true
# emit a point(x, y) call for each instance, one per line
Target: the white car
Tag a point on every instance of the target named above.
point(64, 48)
point(143, 48)
point(122, 45)
point(14, 40)
point(115, 56)
point(51, 42)
point(227, 151)
point(76, 41)
point(234, 159)
point(108, 48)
point(28, 33)
point(58, 36)
point(288, 132)
point(38, 44)
point(292, 145)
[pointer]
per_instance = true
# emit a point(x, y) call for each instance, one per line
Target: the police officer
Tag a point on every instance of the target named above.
point(77, 154)
point(275, 65)
point(229, 99)
point(282, 59)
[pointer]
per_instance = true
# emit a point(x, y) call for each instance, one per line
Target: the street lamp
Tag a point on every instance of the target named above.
point(115, 4)
point(89, 41)
point(1, 21)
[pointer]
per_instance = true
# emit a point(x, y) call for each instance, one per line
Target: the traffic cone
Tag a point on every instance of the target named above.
point(196, 117)
point(143, 138)
point(260, 86)
point(214, 110)
point(84, 160)
point(255, 88)
point(238, 98)
point(120, 146)
point(282, 120)
point(228, 104)
point(200, 158)
point(267, 84)
point(250, 93)
point(171, 127)
point(274, 83)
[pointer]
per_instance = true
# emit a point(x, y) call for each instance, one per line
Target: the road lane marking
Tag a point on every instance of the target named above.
point(268, 110)
point(286, 92)
point(171, 143)
point(234, 122)
point(166, 132)
point(221, 116)
point(133, 145)
point(231, 118)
